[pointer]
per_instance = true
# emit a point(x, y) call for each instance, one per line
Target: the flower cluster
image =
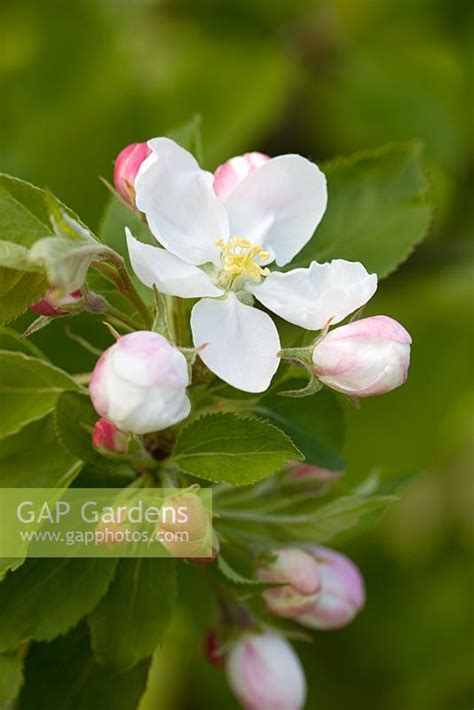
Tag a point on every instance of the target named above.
point(227, 242)
point(219, 238)
point(320, 589)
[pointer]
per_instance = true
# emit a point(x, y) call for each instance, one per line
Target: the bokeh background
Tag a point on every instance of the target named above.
point(80, 79)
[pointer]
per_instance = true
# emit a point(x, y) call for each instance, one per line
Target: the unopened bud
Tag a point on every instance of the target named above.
point(107, 436)
point(364, 358)
point(233, 171)
point(185, 527)
point(306, 472)
point(140, 382)
point(301, 578)
point(324, 589)
point(126, 168)
point(342, 593)
point(50, 304)
point(265, 673)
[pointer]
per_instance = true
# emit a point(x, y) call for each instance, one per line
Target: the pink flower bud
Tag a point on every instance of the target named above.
point(265, 673)
point(325, 589)
point(342, 593)
point(126, 168)
point(186, 517)
point(300, 572)
point(140, 382)
point(303, 471)
point(50, 304)
point(233, 171)
point(107, 436)
point(364, 358)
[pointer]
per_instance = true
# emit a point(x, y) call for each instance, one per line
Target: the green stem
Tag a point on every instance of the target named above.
point(133, 294)
point(117, 272)
point(82, 378)
point(122, 317)
point(256, 518)
point(180, 323)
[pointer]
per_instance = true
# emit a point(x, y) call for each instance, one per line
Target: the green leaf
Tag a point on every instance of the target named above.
point(29, 388)
point(18, 290)
point(63, 674)
point(378, 210)
point(129, 622)
point(237, 450)
point(11, 340)
point(46, 597)
point(16, 256)
point(33, 458)
point(74, 419)
point(28, 213)
point(67, 261)
point(315, 423)
point(116, 217)
point(239, 580)
point(334, 518)
point(11, 676)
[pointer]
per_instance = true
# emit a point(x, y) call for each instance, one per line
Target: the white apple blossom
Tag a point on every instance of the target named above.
point(217, 247)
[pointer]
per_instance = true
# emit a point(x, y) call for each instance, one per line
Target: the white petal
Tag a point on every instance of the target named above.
point(179, 202)
point(171, 275)
point(242, 342)
point(310, 297)
point(279, 205)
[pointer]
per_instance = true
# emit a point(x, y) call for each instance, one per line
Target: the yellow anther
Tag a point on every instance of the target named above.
point(240, 258)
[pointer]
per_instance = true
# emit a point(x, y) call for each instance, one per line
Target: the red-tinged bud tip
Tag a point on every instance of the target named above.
point(126, 168)
point(107, 436)
point(50, 304)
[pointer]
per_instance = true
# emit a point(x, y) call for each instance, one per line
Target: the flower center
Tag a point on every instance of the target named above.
point(241, 258)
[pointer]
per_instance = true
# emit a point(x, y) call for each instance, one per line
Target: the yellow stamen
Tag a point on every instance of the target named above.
point(239, 258)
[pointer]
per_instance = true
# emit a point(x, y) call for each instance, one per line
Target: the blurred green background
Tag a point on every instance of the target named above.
point(80, 79)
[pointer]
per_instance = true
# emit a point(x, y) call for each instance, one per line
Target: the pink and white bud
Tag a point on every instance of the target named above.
point(342, 593)
point(140, 382)
point(265, 673)
point(126, 168)
point(364, 358)
point(107, 436)
point(325, 589)
point(233, 171)
point(300, 573)
point(50, 304)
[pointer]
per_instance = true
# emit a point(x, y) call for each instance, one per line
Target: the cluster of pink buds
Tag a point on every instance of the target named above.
point(316, 587)
point(321, 588)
